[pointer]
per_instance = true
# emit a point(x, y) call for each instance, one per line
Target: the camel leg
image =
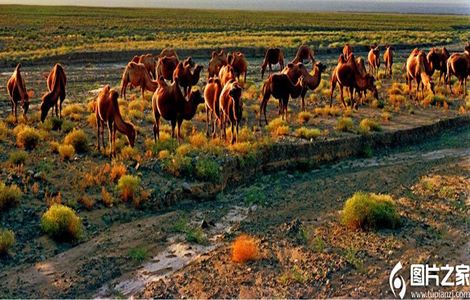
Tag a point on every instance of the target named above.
point(156, 129)
point(16, 114)
point(214, 126)
point(98, 126)
point(244, 77)
point(114, 139)
point(351, 93)
point(408, 80)
point(304, 92)
point(342, 97)
point(102, 136)
point(234, 134)
point(110, 132)
point(143, 93)
point(333, 86)
point(208, 119)
point(173, 125)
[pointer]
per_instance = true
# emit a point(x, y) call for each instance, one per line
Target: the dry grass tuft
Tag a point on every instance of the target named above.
point(244, 249)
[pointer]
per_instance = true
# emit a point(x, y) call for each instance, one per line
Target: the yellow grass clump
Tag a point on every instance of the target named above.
point(244, 249)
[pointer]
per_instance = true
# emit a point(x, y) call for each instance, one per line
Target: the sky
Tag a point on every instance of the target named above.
point(404, 6)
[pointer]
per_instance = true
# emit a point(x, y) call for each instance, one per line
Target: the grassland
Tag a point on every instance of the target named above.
point(33, 32)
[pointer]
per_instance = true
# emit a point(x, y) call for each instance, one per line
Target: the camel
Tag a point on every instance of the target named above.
point(166, 66)
point(168, 102)
point(137, 75)
point(373, 58)
point(273, 56)
point(458, 64)
point(418, 68)
point(56, 82)
point(187, 77)
point(347, 50)
point(280, 87)
point(168, 52)
point(312, 81)
point(150, 63)
point(107, 111)
point(388, 60)
point(304, 52)
point(294, 71)
point(226, 74)
point(346, 74)
point(218, 60)
point(437, 59)
point(16, 89)
point(211, 98)
point(231, 107)
point(239, 63)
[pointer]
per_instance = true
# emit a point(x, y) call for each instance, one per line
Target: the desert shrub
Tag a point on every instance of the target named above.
point(87, 202)
point(27, 138)
point(3, 131)
point(138, 253)
point(117, 171)
point(244, 249)
point(207, 169)
point(7, 239)
point(307, 133)
point(66, 152)
point(386, 116)
point(61, 222)
point(72, 109)
point(106, 197)
point(67, 126)
point(137, 105)
point(128, 186)
point(165, 144)
point(345, 124)
point(53, 123)
point(370, 211)
point(18, 157)
point(198, 140)
point(179, 165)
point(275, 123)
point(184, 149)
point(77, 139)
point(54, 146)
point(304, 117)
point(366, 125)
point(164, 154)
point(129, 153)
point(91, 120)
point(9, 195)
point(196, 235)
point(242, 147)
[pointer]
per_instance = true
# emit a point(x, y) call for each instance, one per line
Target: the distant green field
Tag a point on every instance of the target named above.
point(32, 32)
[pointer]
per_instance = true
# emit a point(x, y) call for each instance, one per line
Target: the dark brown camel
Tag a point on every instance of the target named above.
point(16, 89)
point(187, 77)
point(273, 56)
point(437, 59)
point(458, 64)
point(56, 82)
point(304, 53)
point(107, 112)
point(137, 75)
point(311, 82)
point(280, 87)
point(231, 108)
point(166, 66)
point(168, 52)
point(168, 102)
point(239, 63)
point(211, 98)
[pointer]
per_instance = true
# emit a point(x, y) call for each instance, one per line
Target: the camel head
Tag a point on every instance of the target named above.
point(46, 104)
point(198, 69)
point(321, 67)
point(195, 96)
point(236, 94)
point(25, 103)
point(188, 62)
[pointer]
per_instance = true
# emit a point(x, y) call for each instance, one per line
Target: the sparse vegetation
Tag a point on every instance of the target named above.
point(244, 249)
point(307, 133)
point(77, 139)
point(18, 157)
point(27, 138)
point(61, 222)
point(207, 169)
point(9, 195)
point(66, 152)
point(128, 187)
point(7, 239)
point(138, 254)
point(370, 211)
point(345, 124)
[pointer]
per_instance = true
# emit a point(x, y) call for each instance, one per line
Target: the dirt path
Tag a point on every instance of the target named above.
point(103, 265)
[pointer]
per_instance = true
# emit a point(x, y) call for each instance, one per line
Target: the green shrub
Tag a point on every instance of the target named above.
point(61, 222)
point(207, 169)
point(128, 186)
point(370, 211)
point(53, 123)
point(345, 124)
point(307, 133)
point(7, 239)
point(138, 253)
point(18, 157)
point(27, 138)
point(78, 139)
point(9, 195)
point(178, 165)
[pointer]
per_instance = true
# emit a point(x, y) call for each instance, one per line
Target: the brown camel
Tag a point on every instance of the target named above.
point(187, 77)
point(56, 82)
point(294, 71)
point(168, 52)
point(226, 74)
point(346, 74)
point(218, 60)
point(418, 68)
point(304, 52)
point(211, 98)
point(273, 56)
point(166, 66)
point(16, 89)
point(373, 58)
point(231, 107)
point(150, 63)
point(388, 60)
point(312, 81)
point(347, 50)
point(437, 59)
point(458, 64)
point(280, 87)
point(168, 102)
point(239, 63)
point(107, 111)
point(137, 75)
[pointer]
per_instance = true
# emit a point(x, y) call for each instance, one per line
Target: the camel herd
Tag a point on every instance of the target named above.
point(171, 81)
